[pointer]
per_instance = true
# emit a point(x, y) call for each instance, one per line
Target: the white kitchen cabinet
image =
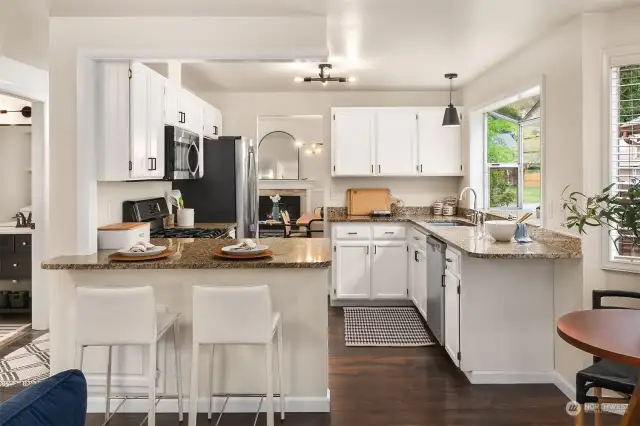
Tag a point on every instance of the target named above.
point(211, 118)
point(389, 270)
point(419, 283)
point(172, 116)
point(452, 316)
point(353, 270)
point(411, 272)
point(439, 148)
point(395, 141)
point(183, 109)
point(352, 142)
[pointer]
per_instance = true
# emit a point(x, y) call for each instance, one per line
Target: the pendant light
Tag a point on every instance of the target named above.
point(451, 118)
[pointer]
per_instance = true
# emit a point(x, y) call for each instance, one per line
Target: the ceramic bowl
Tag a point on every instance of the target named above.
point(501, 230)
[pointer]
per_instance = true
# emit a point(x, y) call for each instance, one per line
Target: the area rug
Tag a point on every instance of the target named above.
point(27, 365)
point(389, 326)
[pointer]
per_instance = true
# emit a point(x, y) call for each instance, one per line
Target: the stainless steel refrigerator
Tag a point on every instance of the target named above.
point(228, 191)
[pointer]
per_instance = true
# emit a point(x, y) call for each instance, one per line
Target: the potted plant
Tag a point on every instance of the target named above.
point(617, 210)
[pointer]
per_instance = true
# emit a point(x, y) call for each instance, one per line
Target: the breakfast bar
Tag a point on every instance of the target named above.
point(298, 278)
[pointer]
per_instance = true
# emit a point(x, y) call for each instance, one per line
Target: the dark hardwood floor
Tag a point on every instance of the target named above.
point(402, 386)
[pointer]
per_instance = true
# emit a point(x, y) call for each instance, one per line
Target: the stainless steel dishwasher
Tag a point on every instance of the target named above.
point(435, 291)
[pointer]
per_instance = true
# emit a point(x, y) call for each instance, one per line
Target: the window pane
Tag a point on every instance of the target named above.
point(531, 166)
point(503, 187)
point(502, 141)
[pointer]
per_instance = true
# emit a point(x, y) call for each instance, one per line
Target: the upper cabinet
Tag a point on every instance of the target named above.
point(394, 142)
point(352, 142)
point(134, 104)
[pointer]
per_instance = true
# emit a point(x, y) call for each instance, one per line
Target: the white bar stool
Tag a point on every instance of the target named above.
point(235, 316)
point(126, 316)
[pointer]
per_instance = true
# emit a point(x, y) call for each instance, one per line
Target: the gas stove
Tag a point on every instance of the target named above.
point(190, 233)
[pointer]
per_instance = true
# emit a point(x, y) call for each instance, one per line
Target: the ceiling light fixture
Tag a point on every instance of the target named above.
point(324, 76)
point(26, 111)
point(451, 118)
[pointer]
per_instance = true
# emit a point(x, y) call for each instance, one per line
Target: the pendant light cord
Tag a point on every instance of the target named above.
point(450, 89)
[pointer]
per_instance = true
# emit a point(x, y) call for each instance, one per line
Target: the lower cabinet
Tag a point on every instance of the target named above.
point(452, 316)
point(420, 280)
point(389, 272)
point(353, 270)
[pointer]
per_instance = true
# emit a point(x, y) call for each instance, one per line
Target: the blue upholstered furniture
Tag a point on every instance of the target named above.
point(60, 400)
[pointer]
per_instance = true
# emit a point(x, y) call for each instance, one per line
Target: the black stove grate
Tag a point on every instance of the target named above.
point(189, 233)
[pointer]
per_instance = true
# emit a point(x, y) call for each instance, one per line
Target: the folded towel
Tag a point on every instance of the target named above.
point(138, 248)
point(145, 244)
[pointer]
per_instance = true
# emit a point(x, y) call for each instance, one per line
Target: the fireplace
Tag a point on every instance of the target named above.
point(291, 203)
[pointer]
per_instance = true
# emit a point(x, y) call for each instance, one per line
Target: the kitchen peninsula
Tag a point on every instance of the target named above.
point(297, 275)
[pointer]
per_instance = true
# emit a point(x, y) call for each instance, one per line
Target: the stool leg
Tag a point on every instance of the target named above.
point(280, 367)
point(107, 409)
point(580, 416)
point(269, 350)
point(152, 385)
point(210, 385)
point(596, 407)
point(176, 347)
point(193, 393)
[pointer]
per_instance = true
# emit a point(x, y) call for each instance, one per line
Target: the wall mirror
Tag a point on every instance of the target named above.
point(278, 157)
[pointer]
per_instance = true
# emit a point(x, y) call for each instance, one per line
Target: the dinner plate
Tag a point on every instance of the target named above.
point(234, 249)
point(150, 252)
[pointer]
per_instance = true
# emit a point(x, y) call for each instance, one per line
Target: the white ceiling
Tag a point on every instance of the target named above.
point(386, 45)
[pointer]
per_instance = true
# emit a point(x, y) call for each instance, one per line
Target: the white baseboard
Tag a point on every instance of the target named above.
point(295, 404)
point(566, 387)
point(507, 378)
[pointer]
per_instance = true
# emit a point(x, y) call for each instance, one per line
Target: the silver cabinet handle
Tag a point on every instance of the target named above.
point(352, 233)
point(367, 249)
point(449, 260)
point(416, 238)
point(24, 243)
point(389, 232)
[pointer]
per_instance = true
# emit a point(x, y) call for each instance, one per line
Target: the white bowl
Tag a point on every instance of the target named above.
point(501, 230)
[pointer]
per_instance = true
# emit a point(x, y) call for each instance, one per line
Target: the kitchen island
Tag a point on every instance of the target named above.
point(297, 275)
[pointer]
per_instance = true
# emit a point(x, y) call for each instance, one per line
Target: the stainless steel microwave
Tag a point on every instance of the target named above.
point(183, 154)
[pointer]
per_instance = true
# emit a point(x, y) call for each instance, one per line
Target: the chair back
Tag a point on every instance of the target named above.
point(232, 314)
point(115, 316)
point(286, 219)
point(598, 295)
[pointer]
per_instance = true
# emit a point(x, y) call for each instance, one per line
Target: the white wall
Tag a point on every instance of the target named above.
point(24, 31)
point(15, 165)
point(240, 112)
point(557, 57)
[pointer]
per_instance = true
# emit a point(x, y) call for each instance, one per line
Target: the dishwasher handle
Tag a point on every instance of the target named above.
point(436, 244)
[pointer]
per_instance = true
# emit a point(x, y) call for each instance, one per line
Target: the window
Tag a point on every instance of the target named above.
point(512, 155)
point(624, 150)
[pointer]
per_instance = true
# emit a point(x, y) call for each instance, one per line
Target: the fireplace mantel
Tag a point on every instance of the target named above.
point(267, 186)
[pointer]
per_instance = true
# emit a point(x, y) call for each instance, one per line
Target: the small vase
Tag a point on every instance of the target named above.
point(275, 212)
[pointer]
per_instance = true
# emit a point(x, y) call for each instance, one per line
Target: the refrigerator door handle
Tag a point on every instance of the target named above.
point(251, 169)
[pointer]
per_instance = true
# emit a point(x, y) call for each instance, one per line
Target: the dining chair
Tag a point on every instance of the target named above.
point(603, 373)
point(288, 233)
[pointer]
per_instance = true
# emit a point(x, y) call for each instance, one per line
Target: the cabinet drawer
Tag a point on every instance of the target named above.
point(15, 267)
point(23, 243)
point(453, 262)
point(389, 232)
point(351, 232)
point(6, 243)
point(418, 238)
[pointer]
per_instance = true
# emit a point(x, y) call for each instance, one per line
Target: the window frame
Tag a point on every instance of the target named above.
point(610, 259)
point(519, 165)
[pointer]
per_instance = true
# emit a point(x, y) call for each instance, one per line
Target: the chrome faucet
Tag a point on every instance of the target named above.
point(474, 215)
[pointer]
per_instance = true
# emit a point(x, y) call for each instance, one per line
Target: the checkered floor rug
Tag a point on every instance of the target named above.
point(398, 326)
point(9, 332)
point(26, 365)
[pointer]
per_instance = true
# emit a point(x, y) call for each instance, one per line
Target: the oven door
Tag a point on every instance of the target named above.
point(183, 155)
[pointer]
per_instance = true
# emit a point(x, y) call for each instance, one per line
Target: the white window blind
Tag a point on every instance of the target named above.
point(625, 144)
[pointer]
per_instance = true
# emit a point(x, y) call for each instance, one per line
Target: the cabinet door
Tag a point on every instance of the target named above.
point(420, 281)
point(192, 112)
point(353, 270)
point(396, 134)
point(452, 316)
point(352, 143)
point(140, 90)
point(210, 121)
point(439, 148)
point(155, 136)
point(171, 115)
point(389, 271)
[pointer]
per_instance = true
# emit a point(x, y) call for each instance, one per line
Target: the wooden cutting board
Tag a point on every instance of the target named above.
point(125, 226)
point(362, 201)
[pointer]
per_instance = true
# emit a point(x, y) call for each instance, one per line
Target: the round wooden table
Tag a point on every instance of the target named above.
point(613, 334)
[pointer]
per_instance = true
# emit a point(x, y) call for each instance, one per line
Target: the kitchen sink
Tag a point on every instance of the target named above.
point(450, 224)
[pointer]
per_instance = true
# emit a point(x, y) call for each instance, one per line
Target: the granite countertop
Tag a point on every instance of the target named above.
point(196, 253)
point(546, 245)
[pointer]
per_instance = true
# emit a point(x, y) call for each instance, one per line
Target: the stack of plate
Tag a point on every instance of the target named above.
point(238, 251)
point(150, 252)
